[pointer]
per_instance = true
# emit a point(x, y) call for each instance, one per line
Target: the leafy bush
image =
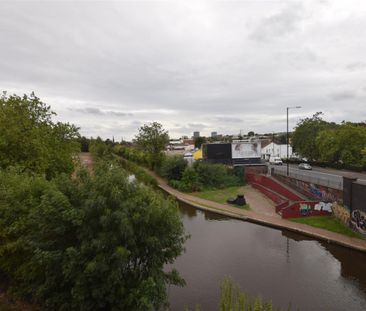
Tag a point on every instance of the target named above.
point(233, 298)
point(139, 172)
point(132, 154)
point(215, 175)
point(173, 167)
point(190, 181)
point(85, 243)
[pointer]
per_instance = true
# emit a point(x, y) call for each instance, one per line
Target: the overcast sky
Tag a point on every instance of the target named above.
point(225, 66)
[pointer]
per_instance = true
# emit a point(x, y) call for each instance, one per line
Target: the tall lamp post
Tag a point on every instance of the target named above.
point(287, 140)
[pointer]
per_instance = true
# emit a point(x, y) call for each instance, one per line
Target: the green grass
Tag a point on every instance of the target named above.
point(221, 195)
point(329, 223)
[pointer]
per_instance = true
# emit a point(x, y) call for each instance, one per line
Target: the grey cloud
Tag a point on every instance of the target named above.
point(97, 111)
point(279, 24)
point(356, 66)
point(229, 119)
point(196, 125)
point(344, 95)
point(190, 65)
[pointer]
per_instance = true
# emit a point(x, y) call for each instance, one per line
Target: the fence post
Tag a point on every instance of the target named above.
point(347, 191)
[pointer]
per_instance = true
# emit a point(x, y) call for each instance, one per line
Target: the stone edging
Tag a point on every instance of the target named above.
point(267, 224)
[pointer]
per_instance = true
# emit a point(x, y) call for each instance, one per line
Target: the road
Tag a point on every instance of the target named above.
point(359, 175)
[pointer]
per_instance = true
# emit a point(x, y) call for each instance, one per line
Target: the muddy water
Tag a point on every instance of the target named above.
point(287, 267)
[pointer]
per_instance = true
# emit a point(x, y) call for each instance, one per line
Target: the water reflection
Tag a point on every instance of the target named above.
point(283, 265)
point(352, 263)
point(190, 211)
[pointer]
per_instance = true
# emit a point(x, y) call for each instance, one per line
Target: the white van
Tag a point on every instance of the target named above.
point(275, 161)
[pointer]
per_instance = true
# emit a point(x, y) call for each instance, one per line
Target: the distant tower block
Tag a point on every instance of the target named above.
point(196, 134)
point(213, 134)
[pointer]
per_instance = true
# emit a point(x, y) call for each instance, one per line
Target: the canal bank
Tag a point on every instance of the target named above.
point(276, 264)
point(256, 216)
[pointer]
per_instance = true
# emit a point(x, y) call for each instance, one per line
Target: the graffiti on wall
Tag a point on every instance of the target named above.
point(358, 221)
point(323, 206)
point(305, 209)
point(322, 193)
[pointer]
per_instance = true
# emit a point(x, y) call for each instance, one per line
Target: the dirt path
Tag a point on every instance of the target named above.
point(86, 160)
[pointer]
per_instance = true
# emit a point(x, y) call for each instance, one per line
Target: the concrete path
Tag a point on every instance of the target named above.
point(261, 214)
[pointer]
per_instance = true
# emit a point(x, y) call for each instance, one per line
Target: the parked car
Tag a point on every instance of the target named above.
point(305, 166)
point(275, 161)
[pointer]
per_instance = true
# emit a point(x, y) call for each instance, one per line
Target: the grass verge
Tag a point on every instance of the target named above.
point(221, 195)
point(329, 223)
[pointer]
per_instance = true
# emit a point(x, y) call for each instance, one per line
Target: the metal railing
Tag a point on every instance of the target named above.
point(322, 179)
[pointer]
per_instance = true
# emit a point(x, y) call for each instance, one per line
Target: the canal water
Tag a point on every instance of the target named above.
point(278, 264)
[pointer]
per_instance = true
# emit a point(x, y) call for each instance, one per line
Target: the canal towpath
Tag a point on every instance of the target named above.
point(262, 212)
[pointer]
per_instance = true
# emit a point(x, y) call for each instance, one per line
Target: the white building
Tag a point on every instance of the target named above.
point(276, 150)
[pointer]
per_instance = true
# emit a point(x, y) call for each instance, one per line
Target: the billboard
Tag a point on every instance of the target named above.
point(242, 150)
point(217, 151)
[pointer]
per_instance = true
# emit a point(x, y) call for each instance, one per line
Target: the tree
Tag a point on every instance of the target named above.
point(88, 243)
point(173, 167)
point(304, 137)
point(84, 144)
point(251, 133)
point(152, 138)
point(342, 143)
point(280, 139)
point(31, 140)
point(198, 141)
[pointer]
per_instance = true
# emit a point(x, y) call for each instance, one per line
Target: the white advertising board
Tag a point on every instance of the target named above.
point(242, 150)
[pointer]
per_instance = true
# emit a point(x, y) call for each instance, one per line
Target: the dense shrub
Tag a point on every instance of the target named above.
point(88, 243)
point(132, 154)
point(139, 172)
point(173, 167)
point(190, 181)
point(215, 175)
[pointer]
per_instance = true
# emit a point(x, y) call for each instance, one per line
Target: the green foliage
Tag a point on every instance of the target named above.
point(31, 140)
point(198, 141)
point(139, 172)
point(344, 144)
point(87, 243)
point(304, 137)
point(221, 195)
point(331, 143)
point(215, 175)
point(84, 144)
point(328, 223)
point(233, 298)
point(152, 139)
point(202, 176)
point(190, 181)
point(173, 167)
point(132, 154)
point(100, 149)
point(363, 152)
point(239, 172)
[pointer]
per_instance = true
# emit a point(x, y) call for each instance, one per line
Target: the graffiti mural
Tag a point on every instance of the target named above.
point(322, 206)
point(304, 209)
point(358, 221)
point(317, 192)
point(307, 208)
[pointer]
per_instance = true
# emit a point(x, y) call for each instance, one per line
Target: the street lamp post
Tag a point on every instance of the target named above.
point(287, 140)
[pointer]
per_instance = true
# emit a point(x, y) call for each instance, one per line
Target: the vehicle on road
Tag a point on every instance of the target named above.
point(275, 161)
point(305, 166)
